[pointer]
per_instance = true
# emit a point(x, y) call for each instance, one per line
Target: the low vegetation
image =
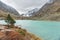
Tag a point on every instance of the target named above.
point(10, 21)
point(12, 32)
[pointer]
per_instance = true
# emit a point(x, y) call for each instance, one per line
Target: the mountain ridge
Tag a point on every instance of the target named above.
point(49, 12)
point(6, 9)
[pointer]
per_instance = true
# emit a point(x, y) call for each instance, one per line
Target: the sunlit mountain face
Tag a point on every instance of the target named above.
point(23, 6)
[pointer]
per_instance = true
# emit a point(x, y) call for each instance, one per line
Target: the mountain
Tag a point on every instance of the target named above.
point(50, 11)
point(5, 9)
point(31, 12)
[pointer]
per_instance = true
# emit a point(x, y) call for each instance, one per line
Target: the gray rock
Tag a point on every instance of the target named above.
point(7, 8)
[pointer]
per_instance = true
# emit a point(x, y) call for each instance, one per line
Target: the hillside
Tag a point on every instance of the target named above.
point(49, 12)
point(3, 15)
point(5, 9)
point(16, 33)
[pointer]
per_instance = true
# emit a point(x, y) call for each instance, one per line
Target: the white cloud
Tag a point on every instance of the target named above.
point(22, 5)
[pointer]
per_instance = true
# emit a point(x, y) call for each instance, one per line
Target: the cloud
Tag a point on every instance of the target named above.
point(22, 5)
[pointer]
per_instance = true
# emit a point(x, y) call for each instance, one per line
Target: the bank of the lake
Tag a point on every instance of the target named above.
point(48, 30)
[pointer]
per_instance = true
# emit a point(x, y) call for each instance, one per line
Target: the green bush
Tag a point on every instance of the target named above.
point(10, 21)
point(21, 32)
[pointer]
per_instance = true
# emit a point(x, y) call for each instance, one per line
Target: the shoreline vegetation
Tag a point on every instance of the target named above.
point(12, 32)
point(16, 33)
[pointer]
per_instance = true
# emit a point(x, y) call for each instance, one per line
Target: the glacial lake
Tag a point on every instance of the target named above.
point(47, 30)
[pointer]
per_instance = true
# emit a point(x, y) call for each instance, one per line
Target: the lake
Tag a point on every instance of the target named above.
point(48, 30)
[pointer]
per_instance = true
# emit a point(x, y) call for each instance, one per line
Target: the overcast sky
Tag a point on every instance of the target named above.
point(25, 5)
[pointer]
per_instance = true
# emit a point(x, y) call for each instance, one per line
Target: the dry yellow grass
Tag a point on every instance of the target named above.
point(3, 15)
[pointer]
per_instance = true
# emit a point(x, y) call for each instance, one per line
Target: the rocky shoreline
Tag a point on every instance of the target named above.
point(16, 33)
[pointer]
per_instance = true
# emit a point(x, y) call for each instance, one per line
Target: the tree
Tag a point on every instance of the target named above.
point(10, 21)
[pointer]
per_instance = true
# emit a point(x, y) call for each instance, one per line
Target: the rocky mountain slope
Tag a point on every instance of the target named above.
point(49, 12)
point(5, 9)
point(31, 12)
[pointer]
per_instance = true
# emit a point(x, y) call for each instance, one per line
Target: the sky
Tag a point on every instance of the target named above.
point(23, 6)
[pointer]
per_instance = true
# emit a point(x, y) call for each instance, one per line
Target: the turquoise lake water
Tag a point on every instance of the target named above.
point(48, 30)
